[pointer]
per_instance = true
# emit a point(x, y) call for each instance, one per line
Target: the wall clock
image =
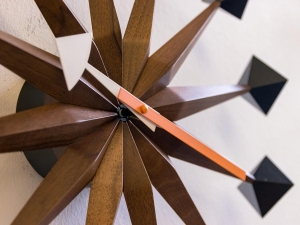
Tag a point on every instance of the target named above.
point(135, 156)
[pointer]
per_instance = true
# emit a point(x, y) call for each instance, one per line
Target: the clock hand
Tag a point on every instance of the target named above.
point(114, 88)
point(179, 133)
point(75, 60)
point(151, 118)
point(154, 118)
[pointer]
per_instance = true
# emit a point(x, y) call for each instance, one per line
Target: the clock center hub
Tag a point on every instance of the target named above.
point(123, 113)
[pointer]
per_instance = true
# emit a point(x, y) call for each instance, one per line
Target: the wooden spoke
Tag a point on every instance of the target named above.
point(136, 42)
point(96, 61)
point(175, 103)
point(107, 186)
point(74, 170)
point(107, 36)
point(165, 179)
point(49, 126)
point(117, 28)
point(63, 23)
point(43, 70)
point(137, 186)
point(164, 63)
point(92, 82)
point(177, 149)
point(59, 18)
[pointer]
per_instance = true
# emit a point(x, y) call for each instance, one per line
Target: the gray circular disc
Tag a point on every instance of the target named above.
point(41, 160)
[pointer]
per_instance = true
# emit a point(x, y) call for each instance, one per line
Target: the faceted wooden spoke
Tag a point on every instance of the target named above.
point(166, 180)
point(137, 186)
point(63, 23)
point(49, 126)
point(178, 149)
point(117, 28)
point(136, 42)
point(164, 63)
point(107, 36)
point(92, 82)
point(96, 61)
point(59, 18)
point(43, 70)
point(107, 185)
point(74, 170)
point(176, 103)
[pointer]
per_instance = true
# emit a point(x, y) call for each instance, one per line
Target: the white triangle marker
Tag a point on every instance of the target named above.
point(74, 52)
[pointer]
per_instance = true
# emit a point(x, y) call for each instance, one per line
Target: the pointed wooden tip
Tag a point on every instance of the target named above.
point(162, 66)
point(176, 103)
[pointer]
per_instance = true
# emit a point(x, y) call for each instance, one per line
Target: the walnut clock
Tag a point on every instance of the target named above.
point(109, 103)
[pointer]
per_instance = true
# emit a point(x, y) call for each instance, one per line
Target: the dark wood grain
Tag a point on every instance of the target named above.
point(178, 149)
point(96, 61)
point(62, 22)
point(93, 83)
point(165, 62)
point(136, 42)
point(43, 70)
point(166, 180)
point(59, 18)
point(176, 103)
point(47, 100)
point(49, 126)
point(117, 28)
point(107, 36)
point(107, 186)
point(74, 170)
point(137, 187)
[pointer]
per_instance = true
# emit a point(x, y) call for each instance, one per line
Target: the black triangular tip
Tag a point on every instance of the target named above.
point(265, 96)
point(234, 7)
point(266, 84)
point(268, 188)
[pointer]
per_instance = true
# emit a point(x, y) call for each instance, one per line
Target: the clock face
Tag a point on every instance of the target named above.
point(228, 123)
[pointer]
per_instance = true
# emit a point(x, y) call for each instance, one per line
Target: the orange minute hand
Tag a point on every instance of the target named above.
point(179, 133)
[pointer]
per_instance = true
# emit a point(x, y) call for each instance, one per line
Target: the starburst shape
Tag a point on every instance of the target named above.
point(107, 143)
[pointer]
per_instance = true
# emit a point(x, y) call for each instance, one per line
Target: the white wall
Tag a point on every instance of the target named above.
point(269, 29)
